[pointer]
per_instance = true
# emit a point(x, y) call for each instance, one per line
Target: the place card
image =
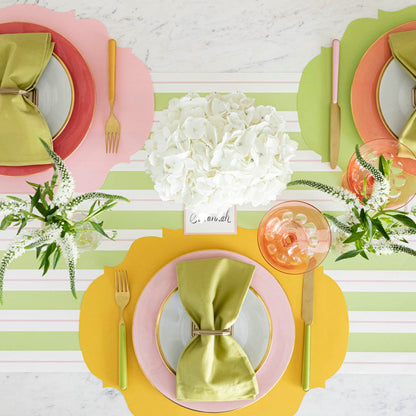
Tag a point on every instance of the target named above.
point(221, 224)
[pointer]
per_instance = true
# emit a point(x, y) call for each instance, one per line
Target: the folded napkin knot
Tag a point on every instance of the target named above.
point(23, 57)
point(196, 331)
point(213, 366)
point(403, 48)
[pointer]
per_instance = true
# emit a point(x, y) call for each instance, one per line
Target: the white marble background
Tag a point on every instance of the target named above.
point(215, 36)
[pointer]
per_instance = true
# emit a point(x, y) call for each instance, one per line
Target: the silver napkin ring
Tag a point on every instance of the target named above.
point(196, 331)
point(31, 95)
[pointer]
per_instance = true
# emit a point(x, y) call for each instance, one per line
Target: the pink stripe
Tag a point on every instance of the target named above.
point(378, 363)
point(49, 280)
point(375, 281)
point(33, 361)
point(383, 322)
point(39, 320)
point(225, 82)
point(311, 160)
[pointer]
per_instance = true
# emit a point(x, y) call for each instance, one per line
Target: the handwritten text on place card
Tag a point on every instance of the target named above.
point(221, 224)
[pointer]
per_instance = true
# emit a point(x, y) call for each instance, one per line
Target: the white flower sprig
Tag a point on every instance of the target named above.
point(368, 226)
point(53, 204)
point(213, 152)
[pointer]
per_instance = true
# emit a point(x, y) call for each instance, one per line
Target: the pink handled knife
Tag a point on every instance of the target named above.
point(335, 110)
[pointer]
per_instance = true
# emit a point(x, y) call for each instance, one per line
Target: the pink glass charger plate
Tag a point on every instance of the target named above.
point(134, 105)
point(144, 331)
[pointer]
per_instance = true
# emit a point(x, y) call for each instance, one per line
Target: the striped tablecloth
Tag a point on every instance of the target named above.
point(39, 319)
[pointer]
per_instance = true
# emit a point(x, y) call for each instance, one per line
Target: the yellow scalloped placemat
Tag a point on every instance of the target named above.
point(98, 328)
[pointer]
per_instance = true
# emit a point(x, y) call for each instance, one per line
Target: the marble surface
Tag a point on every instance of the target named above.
point(215, 36)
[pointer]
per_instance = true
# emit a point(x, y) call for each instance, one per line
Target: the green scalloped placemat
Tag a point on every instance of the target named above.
point(314, 97)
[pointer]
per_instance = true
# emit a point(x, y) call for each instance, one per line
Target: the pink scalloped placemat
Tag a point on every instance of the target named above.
point(134, 105)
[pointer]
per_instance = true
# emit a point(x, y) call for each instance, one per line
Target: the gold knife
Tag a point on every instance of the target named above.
point(307, 316)
point(335, 110)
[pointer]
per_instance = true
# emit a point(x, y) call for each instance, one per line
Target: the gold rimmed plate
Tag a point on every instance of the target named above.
point(278, 342)
point(395, 96)
point(252, 329)
point(56, 95)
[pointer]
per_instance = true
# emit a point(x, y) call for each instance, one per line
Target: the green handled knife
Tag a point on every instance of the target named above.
point(307, 315)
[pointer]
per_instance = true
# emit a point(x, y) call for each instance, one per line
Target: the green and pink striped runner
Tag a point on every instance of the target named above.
point(39, 319)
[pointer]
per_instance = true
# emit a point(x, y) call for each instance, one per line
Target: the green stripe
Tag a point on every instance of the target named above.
point(92, 260)
point(328, 178)
point(145, 220)
point(128, 180)
point(39, 341)
point(281, 100)
point(141, 180)
point(356, 301)
point(381, 301)
point(28, 300)
point(393, 262)
point(382, 342)
point(69, 341)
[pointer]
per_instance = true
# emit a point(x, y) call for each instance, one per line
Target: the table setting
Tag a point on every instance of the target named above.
point(206, 242)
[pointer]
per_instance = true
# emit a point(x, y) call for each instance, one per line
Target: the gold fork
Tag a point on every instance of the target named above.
point(112, 127)
point(122, 299)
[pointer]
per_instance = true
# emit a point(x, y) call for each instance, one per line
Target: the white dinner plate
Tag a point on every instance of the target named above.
point(395, 97)
point(252, 329)
point(55, 95)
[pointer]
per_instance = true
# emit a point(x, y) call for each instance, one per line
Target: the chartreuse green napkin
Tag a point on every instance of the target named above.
point(403, 48)
point(214, 367)
point(23, 57)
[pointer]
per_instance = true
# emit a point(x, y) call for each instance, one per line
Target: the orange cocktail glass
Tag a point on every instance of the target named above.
point(402, 176)
point(294, 237)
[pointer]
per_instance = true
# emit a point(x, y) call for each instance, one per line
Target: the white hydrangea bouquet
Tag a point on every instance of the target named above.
point(212, 152)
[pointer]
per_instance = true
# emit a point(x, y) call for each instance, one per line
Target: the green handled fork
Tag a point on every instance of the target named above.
point(122, 299)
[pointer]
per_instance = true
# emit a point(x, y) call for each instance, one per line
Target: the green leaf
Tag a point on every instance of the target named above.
point(33, 185)
point(7, 220)
point(348, 255)
point(99, 228)
point(56, 257)
point(46, 262)
point(92, 207)
point(22, 225)
point(363, 217)
point(363, 254)
point(32, 245)
point(381, 164)
point(377, 223)
point(370, 227)
point(15, 198)
point(404, 219)
point(54, 176)
point(356, 213)
point(38, 250)
point(35, 198)
point(364, 187)
point(41, 209)
point(354, 237)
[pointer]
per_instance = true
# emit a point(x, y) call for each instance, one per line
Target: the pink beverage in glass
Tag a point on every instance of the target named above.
point(294, 237)
point(403, 172)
